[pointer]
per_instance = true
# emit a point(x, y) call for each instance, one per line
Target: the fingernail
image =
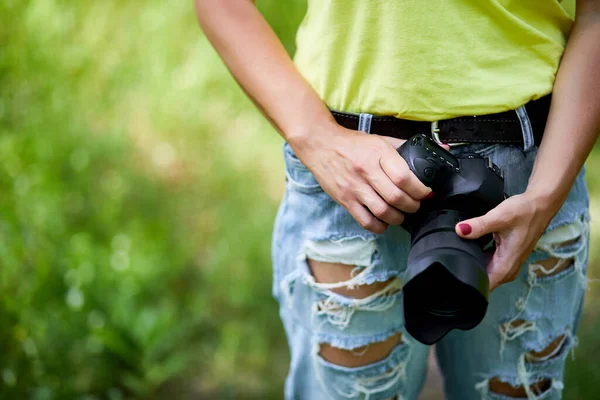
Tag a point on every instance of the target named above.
point(430, 195)
point(465, 229)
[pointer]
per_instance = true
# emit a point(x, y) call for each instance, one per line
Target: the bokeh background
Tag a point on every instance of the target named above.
point(138, 188)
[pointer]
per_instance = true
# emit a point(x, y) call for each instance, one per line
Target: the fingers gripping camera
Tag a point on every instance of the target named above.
point(446, 285)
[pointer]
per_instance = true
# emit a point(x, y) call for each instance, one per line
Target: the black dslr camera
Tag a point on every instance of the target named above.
point(446, 284)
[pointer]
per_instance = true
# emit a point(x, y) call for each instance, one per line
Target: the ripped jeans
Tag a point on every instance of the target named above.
point(522, 343)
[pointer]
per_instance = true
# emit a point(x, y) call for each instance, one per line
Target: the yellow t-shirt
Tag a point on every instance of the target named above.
point(432, 59)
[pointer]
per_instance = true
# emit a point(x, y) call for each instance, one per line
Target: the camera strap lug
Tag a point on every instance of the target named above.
point(435, 134)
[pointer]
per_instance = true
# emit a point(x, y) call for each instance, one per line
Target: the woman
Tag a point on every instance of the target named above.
point(338, 249)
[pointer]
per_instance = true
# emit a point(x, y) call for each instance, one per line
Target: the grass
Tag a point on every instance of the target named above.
point(139, 187)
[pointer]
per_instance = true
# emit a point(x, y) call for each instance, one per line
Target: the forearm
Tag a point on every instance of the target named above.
point(574, 121)
point(261, 66)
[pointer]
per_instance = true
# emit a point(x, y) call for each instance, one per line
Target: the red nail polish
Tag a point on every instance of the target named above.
point(429, 196)
point(465, 228)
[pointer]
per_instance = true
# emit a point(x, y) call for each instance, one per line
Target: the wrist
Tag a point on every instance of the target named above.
point(310, 135)
point(545, 201)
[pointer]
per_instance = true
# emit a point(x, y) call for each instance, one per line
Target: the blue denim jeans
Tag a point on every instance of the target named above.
point(524, 317)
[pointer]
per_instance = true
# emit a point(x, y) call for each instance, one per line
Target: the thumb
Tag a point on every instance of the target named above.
point(477, 227)
point(394, 142)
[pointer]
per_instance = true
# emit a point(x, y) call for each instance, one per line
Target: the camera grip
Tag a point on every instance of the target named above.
point(428, 161)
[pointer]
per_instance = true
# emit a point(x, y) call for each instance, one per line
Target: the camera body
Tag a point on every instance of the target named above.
point(446, 284)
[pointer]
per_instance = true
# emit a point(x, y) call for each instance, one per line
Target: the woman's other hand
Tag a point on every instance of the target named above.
point(517, 224)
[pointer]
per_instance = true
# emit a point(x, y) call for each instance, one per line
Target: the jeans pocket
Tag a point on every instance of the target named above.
point(298, 177)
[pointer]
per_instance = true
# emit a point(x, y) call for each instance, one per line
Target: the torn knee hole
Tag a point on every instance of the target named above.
point(516, 325)
point(551, 266)
point(362, 355)
point(551, 351)
point(568, 243)
point(513, 329)
point(331, 273)
point(503, 388)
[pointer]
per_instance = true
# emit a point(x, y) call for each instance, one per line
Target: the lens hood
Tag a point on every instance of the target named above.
point(445, 286)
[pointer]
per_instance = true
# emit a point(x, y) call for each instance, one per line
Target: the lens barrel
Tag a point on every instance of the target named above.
point(446, 285)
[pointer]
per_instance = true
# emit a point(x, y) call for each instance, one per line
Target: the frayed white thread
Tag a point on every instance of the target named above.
point(553, 241)
point(394, 375)
point(483, 388)
point(520, 304)
point(535, 359)
point(560, 262)
point(574, 343)
point(554, 248)
point(354, 251)
point(558, 385)
point(351, 251)
point(356, 279)
point(316, 350)
point(532, 280)
point(397, 373)
point(509, 332)
point(287, 284)
point(340, 315)
point(524, 377)
point(360, 353)
point(360, 384)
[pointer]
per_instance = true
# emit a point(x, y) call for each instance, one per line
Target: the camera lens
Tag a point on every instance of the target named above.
point(446, 285)
point(443, 301)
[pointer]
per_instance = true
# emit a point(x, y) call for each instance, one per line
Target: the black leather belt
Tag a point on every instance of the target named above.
point(504, 127)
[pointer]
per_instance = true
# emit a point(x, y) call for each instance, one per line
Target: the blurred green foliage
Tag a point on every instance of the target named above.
point(139, 187)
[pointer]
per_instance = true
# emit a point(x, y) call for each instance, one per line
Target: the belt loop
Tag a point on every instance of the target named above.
point(364, 122)
point(528, 141)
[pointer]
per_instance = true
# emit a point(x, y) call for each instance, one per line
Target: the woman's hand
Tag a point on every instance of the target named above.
point(517, 224)
point(571, 130)
point(365, 174)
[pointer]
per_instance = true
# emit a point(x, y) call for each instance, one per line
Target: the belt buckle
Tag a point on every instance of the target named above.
point(435, 134)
